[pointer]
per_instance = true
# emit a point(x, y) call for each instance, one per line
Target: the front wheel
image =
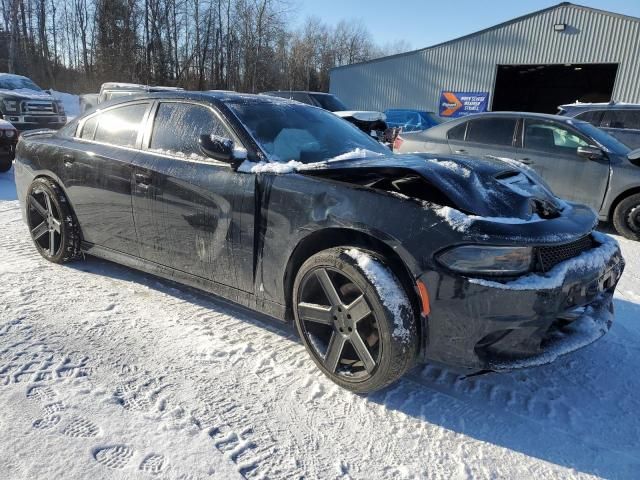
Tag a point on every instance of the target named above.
point(626, 217)
point(355, 318)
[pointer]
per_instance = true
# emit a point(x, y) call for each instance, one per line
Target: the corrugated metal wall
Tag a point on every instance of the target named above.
point(415, 80)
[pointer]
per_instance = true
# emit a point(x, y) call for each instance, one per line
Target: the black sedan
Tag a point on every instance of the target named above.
point(381, 260)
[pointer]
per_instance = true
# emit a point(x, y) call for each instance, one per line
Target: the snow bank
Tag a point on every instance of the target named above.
point(392, 295)
point(70, 101)
point(592, 260)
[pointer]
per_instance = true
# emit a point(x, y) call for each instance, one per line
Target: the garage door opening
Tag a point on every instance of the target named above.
point(541, 88)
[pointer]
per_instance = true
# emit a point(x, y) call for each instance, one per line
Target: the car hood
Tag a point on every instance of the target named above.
point(363, 116)
point(485, 187)
point(26, 93)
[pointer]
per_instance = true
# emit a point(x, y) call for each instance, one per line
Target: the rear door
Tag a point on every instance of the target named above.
point(487, 136)
point(552, 147)
point(193, 213)
point(97, 171)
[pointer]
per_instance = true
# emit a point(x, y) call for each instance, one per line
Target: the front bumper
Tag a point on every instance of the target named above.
point(24, 123)
point(482, 325)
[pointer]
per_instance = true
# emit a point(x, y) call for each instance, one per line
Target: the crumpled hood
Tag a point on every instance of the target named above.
point(483, 187)
point(363, 116)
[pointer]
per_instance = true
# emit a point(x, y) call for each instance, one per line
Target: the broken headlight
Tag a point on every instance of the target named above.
point(487, 260)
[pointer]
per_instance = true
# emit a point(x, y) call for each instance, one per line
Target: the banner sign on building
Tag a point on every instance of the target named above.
point(459, 104)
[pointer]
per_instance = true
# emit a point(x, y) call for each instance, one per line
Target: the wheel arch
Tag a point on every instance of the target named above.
point(55, 179)
point(334, 237)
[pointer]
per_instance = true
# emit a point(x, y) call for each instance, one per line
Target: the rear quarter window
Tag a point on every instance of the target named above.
point(457, 132)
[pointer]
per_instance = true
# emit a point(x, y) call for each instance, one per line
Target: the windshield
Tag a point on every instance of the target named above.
point(329, 102)
point(603, 138)
point(292, 131)
point(17, 83)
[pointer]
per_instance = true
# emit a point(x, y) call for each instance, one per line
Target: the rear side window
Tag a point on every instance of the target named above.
point(621, 119)
point(120, 126)
point(301, 97)
point(178, 126)
point(89, 128)
point(457, 132)
point(593, 117)
point(492, 131)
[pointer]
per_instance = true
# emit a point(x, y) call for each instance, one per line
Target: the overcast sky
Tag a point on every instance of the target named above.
point(422, 23)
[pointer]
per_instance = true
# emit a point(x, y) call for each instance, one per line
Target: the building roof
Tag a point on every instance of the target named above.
point(494, 27)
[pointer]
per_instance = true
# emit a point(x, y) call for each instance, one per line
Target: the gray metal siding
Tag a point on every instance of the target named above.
point(415, 80)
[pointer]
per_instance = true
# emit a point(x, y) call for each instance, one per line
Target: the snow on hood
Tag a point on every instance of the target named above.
point(26, 93)
point(591, 260)
point(363, 116)
point(4, 125)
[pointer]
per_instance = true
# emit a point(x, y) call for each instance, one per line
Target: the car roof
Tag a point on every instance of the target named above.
point(542, 116)
point(599, 106)
point(296, 91)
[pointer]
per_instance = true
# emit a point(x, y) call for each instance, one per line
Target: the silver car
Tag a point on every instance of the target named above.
point(579, 161)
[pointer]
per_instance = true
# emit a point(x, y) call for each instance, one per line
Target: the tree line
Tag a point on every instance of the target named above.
point(241, 45)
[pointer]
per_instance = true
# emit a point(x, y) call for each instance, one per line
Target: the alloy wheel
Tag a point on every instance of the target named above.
point(44, 222)
point(338, 324)
point(633, 219)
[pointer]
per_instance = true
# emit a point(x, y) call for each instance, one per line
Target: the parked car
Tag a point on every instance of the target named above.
point(373, 123)
point(112, 90)
point(26, 106)
point(579, 161)
point(411, 120)
point(8, 140)
point(621, 120)
point(483, 268)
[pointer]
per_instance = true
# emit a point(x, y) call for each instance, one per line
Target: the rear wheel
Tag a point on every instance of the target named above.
point(626, 217)
point(354, 318)
point(51, 222)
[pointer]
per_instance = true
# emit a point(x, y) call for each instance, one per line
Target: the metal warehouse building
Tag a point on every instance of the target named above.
point(532, 63)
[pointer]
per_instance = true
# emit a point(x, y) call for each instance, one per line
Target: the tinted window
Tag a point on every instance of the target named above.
point(551, 137)
point(302, 133)
point(593, 117)
point(457, 132)
point(492, 131)
point(178, 126)
point(329, 102)
point(89, 128)
point(119, 126)
point(621, 119)
point(300, 97)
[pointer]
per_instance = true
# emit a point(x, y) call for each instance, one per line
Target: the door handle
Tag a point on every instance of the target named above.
point(68, 158)
point(142, 179)
point(526, 161)
point(460, 150)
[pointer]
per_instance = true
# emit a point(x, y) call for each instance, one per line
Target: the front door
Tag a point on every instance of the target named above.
point(551, 148)
point(193, 213)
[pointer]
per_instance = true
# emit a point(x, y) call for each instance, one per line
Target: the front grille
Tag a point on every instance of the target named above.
point(36, 107)
point(549, 257)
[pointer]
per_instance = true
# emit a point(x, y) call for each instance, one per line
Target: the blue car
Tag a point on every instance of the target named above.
point(411, 120)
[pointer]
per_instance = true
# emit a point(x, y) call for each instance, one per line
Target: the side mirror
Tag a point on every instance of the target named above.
point(591, 152)
point(221, 148)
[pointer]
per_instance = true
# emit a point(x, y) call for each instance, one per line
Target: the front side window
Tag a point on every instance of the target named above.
point(551, 137)
point(301, 133)
point(177, 128)
point(621, 119)
point(120, 125)
point(492, 131)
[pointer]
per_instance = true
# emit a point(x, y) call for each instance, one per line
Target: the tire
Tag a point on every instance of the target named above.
point(5, 165)
point(626, 217)
point(50, 218)
point(346, 299)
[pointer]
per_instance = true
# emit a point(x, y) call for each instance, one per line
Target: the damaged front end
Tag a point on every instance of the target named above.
point(515, 277)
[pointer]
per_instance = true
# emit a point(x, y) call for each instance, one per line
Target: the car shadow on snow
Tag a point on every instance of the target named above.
point(8, 186)
point(579, 412)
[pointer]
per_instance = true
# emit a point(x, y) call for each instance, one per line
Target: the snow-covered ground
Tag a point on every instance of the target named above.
point(70, 101)
point(106, 372)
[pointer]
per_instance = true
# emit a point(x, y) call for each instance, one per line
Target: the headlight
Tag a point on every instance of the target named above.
point(9, 133)
point(487, 260)
point(10, 105)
